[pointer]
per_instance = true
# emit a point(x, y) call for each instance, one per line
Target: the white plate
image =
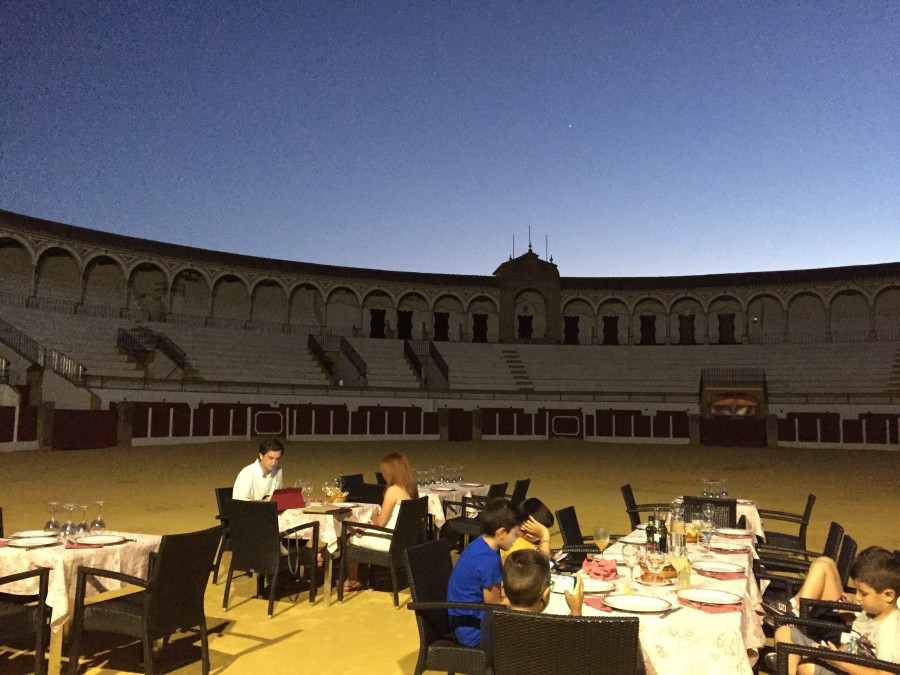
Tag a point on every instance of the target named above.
point(733, 532)
point(641, 526)
point(633, 539)
point(637, 603)
point(101, 539)
point(728, 546)
point(718, 567)
point(30, 534)
point(471, 485)
point(596, 585)
point(443, 489)
point(661, 582)
point(709, 596)
point(746, 502)
point(29, 542)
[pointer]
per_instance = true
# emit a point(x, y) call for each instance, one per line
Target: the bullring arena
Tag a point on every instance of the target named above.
point(161, 366)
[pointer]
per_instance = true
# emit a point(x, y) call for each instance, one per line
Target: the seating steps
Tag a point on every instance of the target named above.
point(386, 364)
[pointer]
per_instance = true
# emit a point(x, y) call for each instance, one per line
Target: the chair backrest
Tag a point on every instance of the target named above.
point(368, 493)
point(833, 541)
point(178, 582)
point(496, 490)
point(569, 528)
point(351, 481)
point(724, 510)
point(428, 567)
point(254, 535)
point(634, 510)
point(564, 644)
point(412, 523)
point(379, 478)
point(223, 498)
point(845, 558)
point(1, 521)
point(520, 491)
point(807, 514)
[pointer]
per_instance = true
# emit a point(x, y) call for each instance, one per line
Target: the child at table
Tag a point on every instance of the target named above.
point(478, 574)
point(876, 629)
point(535, 529)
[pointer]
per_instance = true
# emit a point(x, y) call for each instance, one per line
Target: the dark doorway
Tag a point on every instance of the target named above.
point(441, 326)
point(648, 329)
point(726, 329)
point(479, 328)
point(404, 324)
point(610, 330)
point(376, 323)
point(686, 330)
point(525, 327)
point(570, 330)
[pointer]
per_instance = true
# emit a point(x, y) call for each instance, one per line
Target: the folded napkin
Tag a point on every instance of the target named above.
point(75, 544)
point(710, 609)
point(597, 603)
point(721, 576)
point(600, 569)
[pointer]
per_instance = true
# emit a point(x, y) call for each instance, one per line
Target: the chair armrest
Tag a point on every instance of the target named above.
point(476, 606)
point(349, 524)
point(763, 546)
point(781, 563)
point(783, 649)
point(580, 548)
point(811, 623)
point(807, 604)
point(291, 530)
point(84, 572)
point(780, 515)
point(19, 576)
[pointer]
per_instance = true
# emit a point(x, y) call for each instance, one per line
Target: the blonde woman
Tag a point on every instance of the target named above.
point(401, 485)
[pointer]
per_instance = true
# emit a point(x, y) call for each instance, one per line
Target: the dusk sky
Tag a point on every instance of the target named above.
point(643, 139)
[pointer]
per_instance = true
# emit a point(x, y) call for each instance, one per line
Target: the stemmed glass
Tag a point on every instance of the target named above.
point(52, 525)
point(83, 527)
point(98, 524)
point(326, 487)
point(631, 554)
point(601, 538)
point(655, 563)
point(69, 529)
point(708, 528)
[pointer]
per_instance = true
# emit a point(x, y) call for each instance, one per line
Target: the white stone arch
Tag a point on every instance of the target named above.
point(531, 302)
point(17, 263)
point(609, 308)
point(587, 324)
point(806, 317)
point(886, 313)
point(269, 301)
point(453, 306)
point(230, 298)
point(306, 308)
point(726, 303)
point(58, 274)
point(649, 306)
point(766, 319)
point(190, 292)
point(849, 314)
point(483, 304)
point(148, 287)
point(417, 303)
point(104, 281)
point(343, 308)
point(686, 306)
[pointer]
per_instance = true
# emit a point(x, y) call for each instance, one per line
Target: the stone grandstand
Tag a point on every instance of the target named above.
point(121, 327)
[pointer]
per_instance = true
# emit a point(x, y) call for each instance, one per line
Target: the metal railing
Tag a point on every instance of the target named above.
point(733, 374)
point(435, 356)
point(4, 371)
point(358, 362)
point(413, 358)
point(312, 343)
point(22, 343)
point(129, 342)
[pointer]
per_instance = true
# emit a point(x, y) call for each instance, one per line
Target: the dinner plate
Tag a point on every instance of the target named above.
point(101, 539)
point(716, 566)
point(709, 596)
point(746, 502)
point(29, 534)
point(33, 542)
point(442, 489)
point(728, 547)
point(733, 532)
point(471, 485)
point(641, 526)
point(637, 603)
point(596, 585)
point(661, 582)
point(633, 539)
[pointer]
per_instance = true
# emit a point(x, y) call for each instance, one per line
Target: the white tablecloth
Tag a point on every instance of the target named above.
point(454, 492)
point(329, 524)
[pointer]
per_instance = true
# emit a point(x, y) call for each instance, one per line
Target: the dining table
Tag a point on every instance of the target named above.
point(439, 493)
point(713, 627)
point(126, 552)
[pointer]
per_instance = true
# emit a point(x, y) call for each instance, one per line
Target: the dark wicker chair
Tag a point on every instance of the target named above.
point(412, 522)
point(256, 547)
point(172, 599)
point(564, 645)
point(429, 567)
point(466, 526)
point(223, 500)
point(797, 541)
point(23, 616)
point(368, 493)
point(724, 513)
point(1, 521)
point(351, 484)
point(379, 478)
point(520, 491)
point(634, 510)
point(779, 559)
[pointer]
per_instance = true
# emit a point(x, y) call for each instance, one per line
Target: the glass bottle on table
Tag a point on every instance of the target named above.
point(651, 534)
point(663, 536)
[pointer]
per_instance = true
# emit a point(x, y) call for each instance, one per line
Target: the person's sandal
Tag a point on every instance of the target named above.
point(350, 586)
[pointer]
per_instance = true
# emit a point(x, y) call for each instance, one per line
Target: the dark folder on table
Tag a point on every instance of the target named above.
point(288, 498)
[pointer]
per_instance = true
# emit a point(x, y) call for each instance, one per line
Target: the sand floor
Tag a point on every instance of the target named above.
point(170, 489)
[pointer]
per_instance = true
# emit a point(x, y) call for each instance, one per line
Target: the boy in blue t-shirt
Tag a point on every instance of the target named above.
point(478, 574)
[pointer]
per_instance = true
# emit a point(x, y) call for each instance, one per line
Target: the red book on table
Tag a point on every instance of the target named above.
point(288, 498)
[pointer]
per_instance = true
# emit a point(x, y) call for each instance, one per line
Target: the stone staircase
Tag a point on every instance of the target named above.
point(517, 369)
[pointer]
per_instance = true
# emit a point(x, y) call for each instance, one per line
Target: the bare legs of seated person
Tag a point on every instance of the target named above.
point(352, 582)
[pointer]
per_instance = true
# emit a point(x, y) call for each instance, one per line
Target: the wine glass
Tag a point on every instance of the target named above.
point(69, 529)
point(52, 525)
point(601, 538)
point(655, 563)
point(98, 524)
point(326, 488)
point(708, 511)
point(83, 527)
point(631, 554)
point(708, 528)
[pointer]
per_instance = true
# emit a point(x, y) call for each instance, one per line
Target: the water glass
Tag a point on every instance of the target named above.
point(53, 524)
point(98, 524)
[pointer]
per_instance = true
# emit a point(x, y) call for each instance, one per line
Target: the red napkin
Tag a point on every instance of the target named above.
point(75, 544)
point(4, 542)
point(725, 535)
point(722, 576)
point(728, 551)
point(600, 569)
point(597, 603)
point(710, 609)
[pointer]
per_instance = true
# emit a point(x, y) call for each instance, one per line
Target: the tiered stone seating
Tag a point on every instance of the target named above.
point(386, 365)
point(477, 366)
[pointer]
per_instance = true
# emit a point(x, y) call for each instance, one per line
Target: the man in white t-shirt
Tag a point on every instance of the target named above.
point(257, 481)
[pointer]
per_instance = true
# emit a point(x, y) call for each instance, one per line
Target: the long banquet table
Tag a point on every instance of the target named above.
point(692, 641)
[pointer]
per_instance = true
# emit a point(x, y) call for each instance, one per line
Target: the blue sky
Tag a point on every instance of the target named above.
point(642, 139)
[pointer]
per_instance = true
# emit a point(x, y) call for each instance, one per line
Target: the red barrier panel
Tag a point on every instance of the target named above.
point(84, 429)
